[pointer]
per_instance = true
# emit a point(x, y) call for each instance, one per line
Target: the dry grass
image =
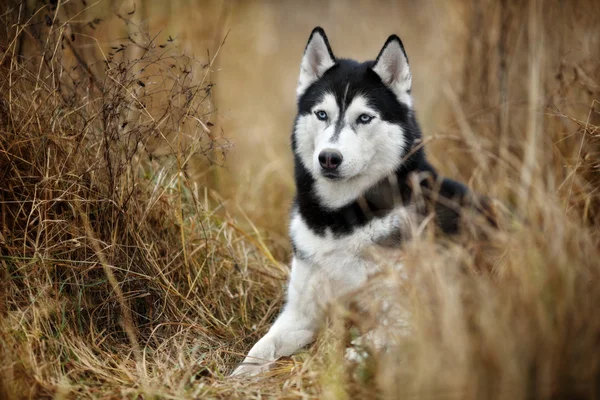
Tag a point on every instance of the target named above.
point(123, 277)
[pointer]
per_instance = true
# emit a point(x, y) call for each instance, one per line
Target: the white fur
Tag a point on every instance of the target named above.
point(370, 151)
point(332, 267)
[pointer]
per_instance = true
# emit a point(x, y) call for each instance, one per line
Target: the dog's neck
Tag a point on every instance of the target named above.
point(396, 189)
point(392, 191)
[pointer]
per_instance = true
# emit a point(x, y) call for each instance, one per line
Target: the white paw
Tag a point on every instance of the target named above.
point(356, 355)
point(247, 370)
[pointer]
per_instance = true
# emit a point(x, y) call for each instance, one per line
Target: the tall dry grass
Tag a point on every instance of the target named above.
point(122, 276)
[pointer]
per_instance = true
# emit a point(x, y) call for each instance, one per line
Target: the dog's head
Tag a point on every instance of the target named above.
point(355, 120)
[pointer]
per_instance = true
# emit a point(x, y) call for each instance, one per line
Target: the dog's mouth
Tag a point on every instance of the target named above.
point(336, 175)
point(332, 175)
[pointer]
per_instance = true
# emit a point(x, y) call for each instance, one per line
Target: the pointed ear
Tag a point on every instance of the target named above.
point(317, 59)
point(392, 66)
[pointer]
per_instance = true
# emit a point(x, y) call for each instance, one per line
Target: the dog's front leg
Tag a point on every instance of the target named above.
point(294, 328)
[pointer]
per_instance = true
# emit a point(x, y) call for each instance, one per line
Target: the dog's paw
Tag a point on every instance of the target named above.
point(356, 355)
point(249, 370)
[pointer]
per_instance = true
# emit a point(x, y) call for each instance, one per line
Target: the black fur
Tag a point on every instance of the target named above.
point(444, 196)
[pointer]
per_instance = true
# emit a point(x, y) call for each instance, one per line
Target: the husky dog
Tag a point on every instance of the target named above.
point(357, 149)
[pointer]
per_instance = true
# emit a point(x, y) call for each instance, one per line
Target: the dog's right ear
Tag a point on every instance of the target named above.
point(317, 59)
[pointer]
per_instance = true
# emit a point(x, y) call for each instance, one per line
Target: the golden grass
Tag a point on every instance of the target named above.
point(122, 277)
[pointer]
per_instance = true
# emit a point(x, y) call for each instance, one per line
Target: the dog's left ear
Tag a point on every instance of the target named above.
point(392, 66)
point(317, 59)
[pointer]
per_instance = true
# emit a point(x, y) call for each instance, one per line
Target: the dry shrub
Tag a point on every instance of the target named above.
point(114, 264)
point(123, 278)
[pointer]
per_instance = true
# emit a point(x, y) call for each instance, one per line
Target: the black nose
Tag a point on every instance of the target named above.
point(330, 159)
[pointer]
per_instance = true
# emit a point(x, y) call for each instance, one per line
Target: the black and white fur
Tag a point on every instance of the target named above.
point(361, 116)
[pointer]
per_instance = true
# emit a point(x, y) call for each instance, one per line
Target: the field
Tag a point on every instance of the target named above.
point(146, 177)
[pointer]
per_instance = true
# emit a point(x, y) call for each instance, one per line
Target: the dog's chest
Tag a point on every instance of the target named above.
point(335, 252)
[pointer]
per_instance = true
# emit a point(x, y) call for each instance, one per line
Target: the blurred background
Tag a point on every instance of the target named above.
point(484, 74)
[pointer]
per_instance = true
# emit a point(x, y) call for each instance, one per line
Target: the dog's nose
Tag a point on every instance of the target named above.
point(330, 159)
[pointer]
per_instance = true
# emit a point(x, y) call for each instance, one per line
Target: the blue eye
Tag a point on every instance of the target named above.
point(322, 115)
point(364, 119)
